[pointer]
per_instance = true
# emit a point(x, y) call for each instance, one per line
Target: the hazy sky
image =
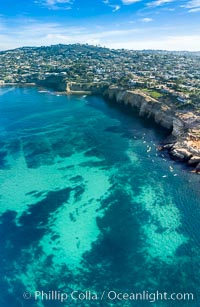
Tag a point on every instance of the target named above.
point(132, 24)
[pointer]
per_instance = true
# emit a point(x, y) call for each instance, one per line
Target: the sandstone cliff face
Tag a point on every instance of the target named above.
point(146, 105)
point(94, 88)
point(54, 82)
point(184, 127)
point(187, 131)
point(178, 127)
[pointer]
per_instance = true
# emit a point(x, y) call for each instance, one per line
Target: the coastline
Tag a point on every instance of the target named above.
point(79, 93)
point(18, 84)
point(183, 142)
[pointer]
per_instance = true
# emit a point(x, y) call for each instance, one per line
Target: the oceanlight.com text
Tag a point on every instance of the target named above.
point(114, 296)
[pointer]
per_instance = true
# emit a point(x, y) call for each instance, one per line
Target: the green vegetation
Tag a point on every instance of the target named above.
point(168, 76)
point(153, 93)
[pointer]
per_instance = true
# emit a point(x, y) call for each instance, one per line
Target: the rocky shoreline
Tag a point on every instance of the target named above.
point(183, 143)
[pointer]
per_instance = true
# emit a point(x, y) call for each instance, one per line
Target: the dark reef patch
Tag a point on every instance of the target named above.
point(31, 226)
point(3, 163)
point(76, 179)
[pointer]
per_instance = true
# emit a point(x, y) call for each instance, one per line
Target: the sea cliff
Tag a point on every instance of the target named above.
point(86, 88)
point(183, 143)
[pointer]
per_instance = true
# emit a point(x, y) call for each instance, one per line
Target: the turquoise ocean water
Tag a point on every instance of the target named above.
point(88, 203)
